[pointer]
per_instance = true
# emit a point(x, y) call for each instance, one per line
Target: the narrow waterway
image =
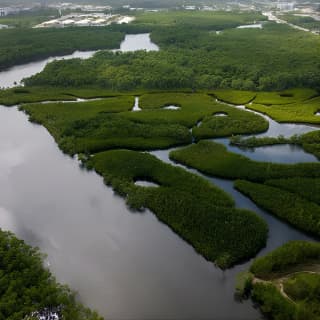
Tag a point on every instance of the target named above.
point(14, 75)
point(126, 265)
point(284, 153)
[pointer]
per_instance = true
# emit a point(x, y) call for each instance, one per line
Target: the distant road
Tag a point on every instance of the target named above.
point(272, 17)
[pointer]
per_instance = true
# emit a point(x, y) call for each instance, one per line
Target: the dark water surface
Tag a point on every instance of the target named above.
point(126, 265)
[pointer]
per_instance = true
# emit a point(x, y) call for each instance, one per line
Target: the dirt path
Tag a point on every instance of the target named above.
point(279, 281)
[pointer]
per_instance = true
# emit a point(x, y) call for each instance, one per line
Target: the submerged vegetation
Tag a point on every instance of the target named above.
point(27, 287)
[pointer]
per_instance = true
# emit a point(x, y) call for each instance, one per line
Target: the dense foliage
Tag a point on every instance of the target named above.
point(290, 283)
point(305, 289)
point(288, 206)
point(99, 125)
point(194, 56)
point(300, 111)
point(286, 257)
point(205, 218)
point(302, 21)
point(26, 286)
point(89, 127)
point(30, 18)
point(273, 304)
point(307, 188)
point(283, 198)
point(19, 46)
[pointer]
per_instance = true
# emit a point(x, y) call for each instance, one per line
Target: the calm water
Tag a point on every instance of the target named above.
point(126, 265)
point(134, 42)
point(14, 75)
point(276, 153)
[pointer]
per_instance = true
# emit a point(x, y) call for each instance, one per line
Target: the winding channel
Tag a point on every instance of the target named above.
point(125, 265)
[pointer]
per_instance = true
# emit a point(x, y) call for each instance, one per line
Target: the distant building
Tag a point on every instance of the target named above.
point(285, 6)
point(190, 7)
point(4, 11)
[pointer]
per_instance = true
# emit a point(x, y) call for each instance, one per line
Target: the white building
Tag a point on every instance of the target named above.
point(285, 6)
point(4, 11)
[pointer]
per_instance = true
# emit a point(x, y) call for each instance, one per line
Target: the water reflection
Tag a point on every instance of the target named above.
point(125, 265)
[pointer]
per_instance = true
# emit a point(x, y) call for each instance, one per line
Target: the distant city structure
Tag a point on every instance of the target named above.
point(285, 6)
point(81, 7)
point(4, 11)
point(85, 20)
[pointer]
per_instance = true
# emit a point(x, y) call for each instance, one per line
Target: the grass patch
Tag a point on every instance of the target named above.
point(21, 95)
point(298, 112)
point(299, 212)
point(285, 258)
point(57, 116)
point(195, 108)
point(235, 122)
point(235, 97)
point(206, 218)
point(284, 97)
